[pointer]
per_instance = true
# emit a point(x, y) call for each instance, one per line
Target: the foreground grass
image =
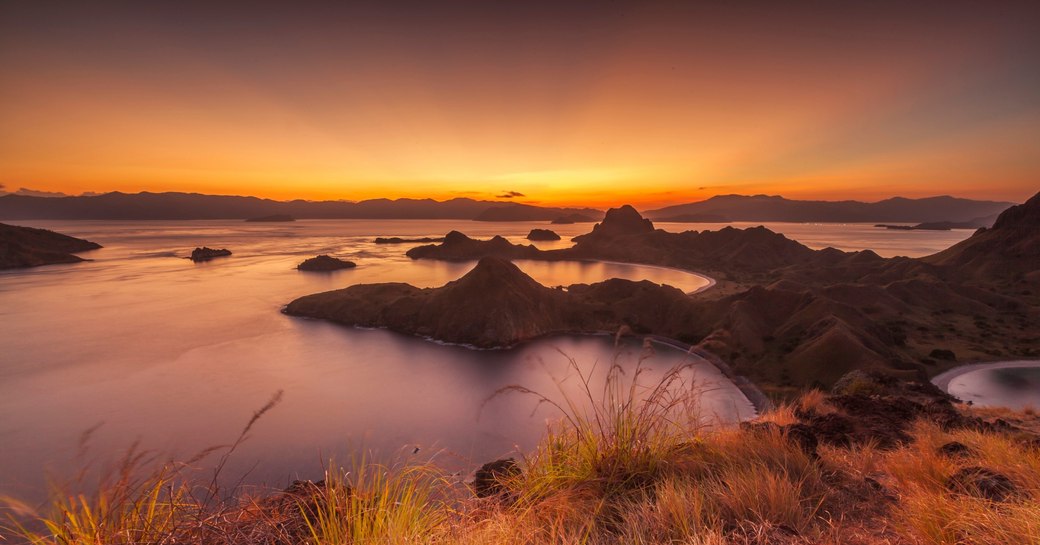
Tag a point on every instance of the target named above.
point(636, 467)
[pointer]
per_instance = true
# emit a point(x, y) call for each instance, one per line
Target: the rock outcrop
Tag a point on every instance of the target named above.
point(325, 263)
point(29, 247)
point(206, 253)
point(619, 221)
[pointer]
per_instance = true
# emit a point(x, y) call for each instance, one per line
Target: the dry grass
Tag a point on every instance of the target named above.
point(635, 467)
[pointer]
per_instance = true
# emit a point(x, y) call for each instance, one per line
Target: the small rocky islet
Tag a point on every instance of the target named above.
point(206, 253)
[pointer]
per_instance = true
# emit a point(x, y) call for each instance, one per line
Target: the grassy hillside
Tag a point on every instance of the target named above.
point(877, 462)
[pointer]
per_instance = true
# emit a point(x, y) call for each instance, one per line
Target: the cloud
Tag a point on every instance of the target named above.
point(37, 193)
point(510, 195)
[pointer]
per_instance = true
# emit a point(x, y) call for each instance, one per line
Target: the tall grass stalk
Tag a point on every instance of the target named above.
point(372, 503)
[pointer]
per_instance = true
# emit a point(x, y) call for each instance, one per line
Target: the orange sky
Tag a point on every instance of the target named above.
point(576, 104)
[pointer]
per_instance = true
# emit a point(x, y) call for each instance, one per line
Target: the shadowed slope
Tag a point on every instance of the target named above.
point(1011, 248)
point(29, 247)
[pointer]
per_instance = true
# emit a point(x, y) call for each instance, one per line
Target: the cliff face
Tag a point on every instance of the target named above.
point(29, 247)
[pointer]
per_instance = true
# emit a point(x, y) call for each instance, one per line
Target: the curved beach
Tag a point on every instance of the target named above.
point(980, 389)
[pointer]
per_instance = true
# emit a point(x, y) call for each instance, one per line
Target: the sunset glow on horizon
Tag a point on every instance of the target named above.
point(585, 104)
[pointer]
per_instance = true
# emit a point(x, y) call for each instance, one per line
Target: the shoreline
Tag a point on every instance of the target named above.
point(942, 380)
point(751, 391)
point(711, 281)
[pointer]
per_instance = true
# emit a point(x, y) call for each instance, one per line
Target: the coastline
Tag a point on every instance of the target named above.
point(711, 281)
point(753, 394)
point(942, 380)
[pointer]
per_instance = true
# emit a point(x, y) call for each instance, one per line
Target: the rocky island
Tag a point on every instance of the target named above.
point(22, 247)
point(325, 263)
point(206, 254)
point(542, 234)
point(399, 240)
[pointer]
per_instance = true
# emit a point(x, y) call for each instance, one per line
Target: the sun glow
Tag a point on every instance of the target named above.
point(646, 105)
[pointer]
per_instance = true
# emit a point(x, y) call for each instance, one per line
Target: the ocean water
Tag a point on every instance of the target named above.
point(141, 344)
point(1016, 385)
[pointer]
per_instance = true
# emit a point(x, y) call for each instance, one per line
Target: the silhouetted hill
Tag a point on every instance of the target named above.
point(29, 247)
point(459, 247)
point(493, 305)
point(1010, 248)
point(776, 208)
point(186, 206)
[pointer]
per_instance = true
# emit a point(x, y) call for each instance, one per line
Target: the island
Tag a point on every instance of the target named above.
point(542, 234)
point(22, 247)
point(496, 305)
point(206, 253)
point(325, 263)
point(399, 240)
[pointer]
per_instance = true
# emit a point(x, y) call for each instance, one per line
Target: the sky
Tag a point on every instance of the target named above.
point(558, 103)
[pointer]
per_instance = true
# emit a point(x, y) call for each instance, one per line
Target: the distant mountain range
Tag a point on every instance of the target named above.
point(720, 209)
point(775, 208)
point(191, 206)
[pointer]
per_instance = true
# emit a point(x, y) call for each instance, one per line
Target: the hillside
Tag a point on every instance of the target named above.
point(1011, 248)
point(776, 208)
point(493, 305)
